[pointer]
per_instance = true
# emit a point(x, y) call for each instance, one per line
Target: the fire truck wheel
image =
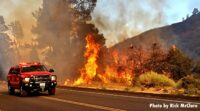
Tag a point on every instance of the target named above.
point(23, 92)
point(11, 90)
point(52, 91)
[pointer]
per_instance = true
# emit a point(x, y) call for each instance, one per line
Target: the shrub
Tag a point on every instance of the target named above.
point(190, 84)
point(191, 90)
point(178, 63)
point(179, 84)
point(153, 79)
point(196, 68)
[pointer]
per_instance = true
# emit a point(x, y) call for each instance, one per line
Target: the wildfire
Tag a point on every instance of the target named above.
point(88, 72)
point(118, 71)
point(66, 82)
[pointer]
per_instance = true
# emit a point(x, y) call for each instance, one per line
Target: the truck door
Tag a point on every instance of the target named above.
point(10, 78)
point(16, 77)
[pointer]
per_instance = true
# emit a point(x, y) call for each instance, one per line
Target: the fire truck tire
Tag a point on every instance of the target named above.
point(52, 91)
point(11, 90)
point(23, 92)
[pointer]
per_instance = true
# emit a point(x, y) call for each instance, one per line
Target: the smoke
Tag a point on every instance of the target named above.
point(16, 17)
point(50, 38)
point(126, 18)
point(60, 48)
point(6, 55)
point(19, 20)
point(17, 10)
point(49, 34)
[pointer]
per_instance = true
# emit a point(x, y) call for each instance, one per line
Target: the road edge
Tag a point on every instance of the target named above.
point(175, 96)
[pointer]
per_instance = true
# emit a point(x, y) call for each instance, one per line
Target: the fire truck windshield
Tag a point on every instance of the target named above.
point(33, 68)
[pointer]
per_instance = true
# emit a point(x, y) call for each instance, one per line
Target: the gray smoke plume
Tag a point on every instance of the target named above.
point(119, 19)
point(55, 30)
point(56, 39)
point(6, 53)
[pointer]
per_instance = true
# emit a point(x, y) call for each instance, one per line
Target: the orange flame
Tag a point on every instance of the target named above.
point(119, 71)
point(88, 72)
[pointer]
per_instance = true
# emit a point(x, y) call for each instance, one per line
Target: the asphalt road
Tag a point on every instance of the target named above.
point(80, 100)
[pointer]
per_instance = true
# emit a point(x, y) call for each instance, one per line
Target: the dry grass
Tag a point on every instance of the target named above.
point(153, 79)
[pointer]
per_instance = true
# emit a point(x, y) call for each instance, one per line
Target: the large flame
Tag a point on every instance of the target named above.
point(118, 71)
point(88, 72)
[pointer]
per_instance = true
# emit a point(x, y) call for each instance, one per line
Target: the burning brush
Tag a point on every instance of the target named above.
point(89, 71)
point(114, 73)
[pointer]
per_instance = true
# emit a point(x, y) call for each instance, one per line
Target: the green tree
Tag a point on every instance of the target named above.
point(82, 8)
point(178, 64)
point(196, 68)
point(156, 59)
point(63, 26)
point(195, 11)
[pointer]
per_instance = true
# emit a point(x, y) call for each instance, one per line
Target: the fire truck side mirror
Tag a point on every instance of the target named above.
point(51, 70)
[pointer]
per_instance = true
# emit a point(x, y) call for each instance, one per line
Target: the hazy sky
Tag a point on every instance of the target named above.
point(136, 16)
point(116, 19)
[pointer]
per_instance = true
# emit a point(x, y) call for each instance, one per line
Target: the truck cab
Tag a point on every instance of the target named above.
point(31, 77)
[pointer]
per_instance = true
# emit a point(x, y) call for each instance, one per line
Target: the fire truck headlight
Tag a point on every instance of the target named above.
point(26, 79)
point(53, 78)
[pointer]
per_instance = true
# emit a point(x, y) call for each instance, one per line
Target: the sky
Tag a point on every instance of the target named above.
point(131, 17)
point(116, 19)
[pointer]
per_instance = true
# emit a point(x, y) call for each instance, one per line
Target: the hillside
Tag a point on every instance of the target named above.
point(185, 35)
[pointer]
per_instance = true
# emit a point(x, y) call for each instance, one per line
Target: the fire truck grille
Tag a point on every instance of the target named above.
point(43, 78)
